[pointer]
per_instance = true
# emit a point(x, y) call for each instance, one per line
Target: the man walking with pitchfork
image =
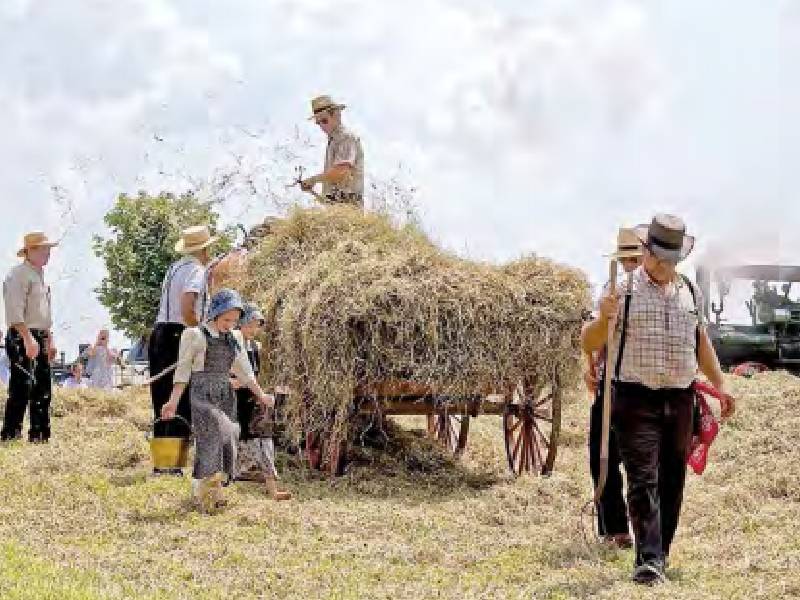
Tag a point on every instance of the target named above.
point(659, 342)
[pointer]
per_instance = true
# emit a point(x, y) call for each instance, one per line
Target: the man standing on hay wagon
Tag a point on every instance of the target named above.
point(612, 515)
point(184, 299)
point(29, 341)
point(661, 343)
point(343, 177)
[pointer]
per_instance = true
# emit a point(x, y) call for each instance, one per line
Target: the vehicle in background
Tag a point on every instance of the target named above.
point(769, 337)
point(133, 364)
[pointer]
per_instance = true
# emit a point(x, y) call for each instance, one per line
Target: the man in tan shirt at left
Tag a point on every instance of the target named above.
point(29, 341)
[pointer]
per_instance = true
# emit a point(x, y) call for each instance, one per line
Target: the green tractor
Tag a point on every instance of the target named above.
point(759, 329)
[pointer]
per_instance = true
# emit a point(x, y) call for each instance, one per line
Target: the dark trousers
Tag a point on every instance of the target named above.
point(163, 349)
point(245, 409)
point(29, 385)
point(654, 433)
point(612, 516)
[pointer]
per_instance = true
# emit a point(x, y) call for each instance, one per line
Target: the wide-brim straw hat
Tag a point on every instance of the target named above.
point(35, 239)
point(666, 238)
point(321, 104)
point(629, 244)
point(194, 239)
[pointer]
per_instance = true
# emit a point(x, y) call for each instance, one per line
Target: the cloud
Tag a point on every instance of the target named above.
point(535, 126)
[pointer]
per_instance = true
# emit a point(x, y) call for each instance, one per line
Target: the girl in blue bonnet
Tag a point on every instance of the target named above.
point(208, 355)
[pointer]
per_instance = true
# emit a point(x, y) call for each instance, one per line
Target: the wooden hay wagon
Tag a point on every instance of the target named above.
point(531, 422)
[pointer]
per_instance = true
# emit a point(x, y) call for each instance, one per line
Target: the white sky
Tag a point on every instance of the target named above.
point(527, 126)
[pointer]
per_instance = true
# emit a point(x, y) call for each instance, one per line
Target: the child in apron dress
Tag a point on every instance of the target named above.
point(208, 355)
point(256, 457)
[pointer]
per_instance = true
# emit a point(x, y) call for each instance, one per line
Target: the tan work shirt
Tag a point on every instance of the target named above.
point(27, 298)
point(344, 148)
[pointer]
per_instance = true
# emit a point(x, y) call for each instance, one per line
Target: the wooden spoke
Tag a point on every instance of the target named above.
point(337, 451)
point(324, 452)
point(531, 425)
point(451, 431)
point(313, 450)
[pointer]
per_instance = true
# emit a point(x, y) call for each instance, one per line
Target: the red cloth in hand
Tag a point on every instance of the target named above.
point(708, 430)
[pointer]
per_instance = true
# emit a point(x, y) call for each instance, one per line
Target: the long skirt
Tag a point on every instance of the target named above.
point(257, 455)
point(256, 447)
point(215, 428)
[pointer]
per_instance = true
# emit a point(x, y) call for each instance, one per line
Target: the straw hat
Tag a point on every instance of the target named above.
point(321, 104)
point(194, 239)
point(35, 239)
point(666, 238)
point(628, 243)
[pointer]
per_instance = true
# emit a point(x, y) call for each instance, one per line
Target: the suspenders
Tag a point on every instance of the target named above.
point(626, 312)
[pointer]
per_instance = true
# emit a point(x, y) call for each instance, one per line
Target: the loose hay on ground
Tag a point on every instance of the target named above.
point(71, 522)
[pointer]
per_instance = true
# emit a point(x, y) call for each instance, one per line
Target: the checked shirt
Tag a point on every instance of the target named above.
point(660, 343)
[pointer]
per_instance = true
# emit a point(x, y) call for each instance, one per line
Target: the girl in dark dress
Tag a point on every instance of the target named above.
point(256, 456)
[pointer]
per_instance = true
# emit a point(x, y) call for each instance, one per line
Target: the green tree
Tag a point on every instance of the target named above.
point(140, 248)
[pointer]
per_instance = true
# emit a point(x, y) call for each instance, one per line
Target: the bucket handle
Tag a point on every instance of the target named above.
point(149, 435)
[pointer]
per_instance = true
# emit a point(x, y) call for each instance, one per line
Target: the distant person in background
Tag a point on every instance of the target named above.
point(101, 362)
point(76, 380)
point(5, 372)
point(342, 178)
point(29, 341)
point(184, 299)
point(256, 457)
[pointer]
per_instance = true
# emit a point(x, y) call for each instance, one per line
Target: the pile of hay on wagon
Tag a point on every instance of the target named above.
point(352, 300)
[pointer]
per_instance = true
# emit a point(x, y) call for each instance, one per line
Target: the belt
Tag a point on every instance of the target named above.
point(640, 386)
point(36, 330)
point(345, 198)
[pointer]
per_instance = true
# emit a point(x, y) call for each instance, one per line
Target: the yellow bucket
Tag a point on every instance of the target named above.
point(170, 452)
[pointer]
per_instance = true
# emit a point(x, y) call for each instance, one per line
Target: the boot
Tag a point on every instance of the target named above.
point(274, 492)
point(257, 476)
point(209, 493)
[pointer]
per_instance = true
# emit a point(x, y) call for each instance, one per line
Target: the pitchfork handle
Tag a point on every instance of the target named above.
point(610, 360)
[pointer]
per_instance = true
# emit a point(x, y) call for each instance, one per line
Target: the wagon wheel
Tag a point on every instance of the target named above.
point(531, 426)
point(313, 450)
point(325, 453)
point(450, 431)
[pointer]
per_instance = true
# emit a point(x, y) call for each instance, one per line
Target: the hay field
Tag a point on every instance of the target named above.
point(80, 518)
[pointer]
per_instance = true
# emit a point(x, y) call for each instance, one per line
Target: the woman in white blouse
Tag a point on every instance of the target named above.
point(207, 356)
